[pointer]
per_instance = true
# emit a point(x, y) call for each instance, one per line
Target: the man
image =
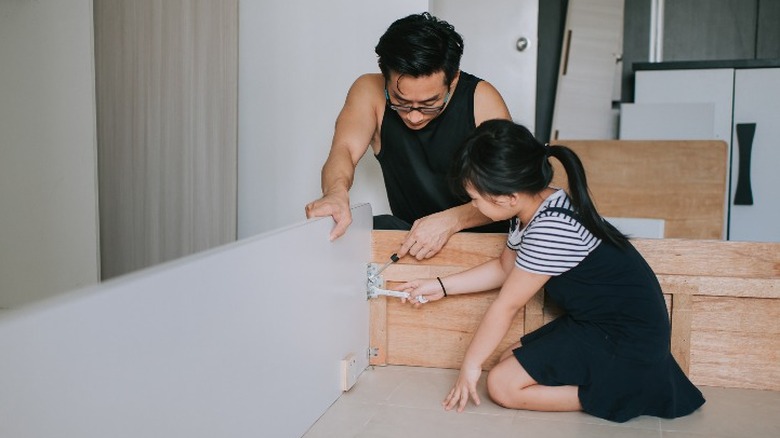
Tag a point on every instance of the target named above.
point(414, 115)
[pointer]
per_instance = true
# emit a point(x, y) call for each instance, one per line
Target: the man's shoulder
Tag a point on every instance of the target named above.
point(367, 90)
point(488, 103)
point(371, 81)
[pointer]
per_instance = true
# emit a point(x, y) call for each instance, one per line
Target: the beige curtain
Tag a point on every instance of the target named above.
point(166, 81)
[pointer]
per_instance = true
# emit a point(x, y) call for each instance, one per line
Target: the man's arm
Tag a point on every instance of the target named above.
point(354, 131)
point(429, 234)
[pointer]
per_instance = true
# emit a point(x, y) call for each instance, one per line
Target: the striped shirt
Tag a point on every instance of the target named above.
point(553, 242)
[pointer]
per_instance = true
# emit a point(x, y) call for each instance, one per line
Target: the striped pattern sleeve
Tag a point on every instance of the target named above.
point(554, 243)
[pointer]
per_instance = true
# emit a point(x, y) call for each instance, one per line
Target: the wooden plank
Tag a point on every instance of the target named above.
point(735, 342)
point(682, 305)
point(437, 334)
point(463, 249)
point(721, 286)
point(681, 182)
point(377, 333)
point(714, 258)
point(690, 257)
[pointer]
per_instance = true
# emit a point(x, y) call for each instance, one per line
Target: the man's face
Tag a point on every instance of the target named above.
point(418, 100)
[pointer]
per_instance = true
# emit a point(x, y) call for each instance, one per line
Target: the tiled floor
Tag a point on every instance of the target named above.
point(405, 402)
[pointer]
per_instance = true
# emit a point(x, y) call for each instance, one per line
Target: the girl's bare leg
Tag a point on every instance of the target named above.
point(510, 351)
point(510, 386)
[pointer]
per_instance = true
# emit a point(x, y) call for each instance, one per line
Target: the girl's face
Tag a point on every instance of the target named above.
point(497, 208)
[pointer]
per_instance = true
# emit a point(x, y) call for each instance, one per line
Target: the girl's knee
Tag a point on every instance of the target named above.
point(505, 382)
point(495, 387)
point(499, 385)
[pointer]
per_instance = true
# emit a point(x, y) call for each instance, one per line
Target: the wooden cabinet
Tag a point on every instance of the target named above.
point(755, 204)
point(745, 115)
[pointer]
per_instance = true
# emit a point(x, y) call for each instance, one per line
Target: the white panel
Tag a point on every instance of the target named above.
point(645, 228)
point(297, 60)
point(48, 187)
point(756, 100)
point(667, 121)
point(242, 341)
point(690, 86)
point(490, 30)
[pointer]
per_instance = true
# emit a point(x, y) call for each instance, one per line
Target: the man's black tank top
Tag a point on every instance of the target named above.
point(415, 163)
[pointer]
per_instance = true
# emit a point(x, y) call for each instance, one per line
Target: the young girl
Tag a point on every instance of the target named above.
point(609, 353)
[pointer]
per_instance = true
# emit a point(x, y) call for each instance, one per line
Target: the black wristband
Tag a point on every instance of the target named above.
point(442, 286)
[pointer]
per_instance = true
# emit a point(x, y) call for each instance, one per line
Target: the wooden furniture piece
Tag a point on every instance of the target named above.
point(723, 299)
point(681, 182)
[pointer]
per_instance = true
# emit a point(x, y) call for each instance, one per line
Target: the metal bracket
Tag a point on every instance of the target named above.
point(374, 286)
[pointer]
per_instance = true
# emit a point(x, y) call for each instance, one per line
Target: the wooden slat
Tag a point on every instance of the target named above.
point(437, 334)
point(681, 182)
point(401, 272)
point(377, 333)
point(721, 286)
point(735, 342)
point(682, 307)
point(713, 258)
point(463, 249)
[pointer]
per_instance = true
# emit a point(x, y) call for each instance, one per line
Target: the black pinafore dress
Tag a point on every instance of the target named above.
point(613, 341)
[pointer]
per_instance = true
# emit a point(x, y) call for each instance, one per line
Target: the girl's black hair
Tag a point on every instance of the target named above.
point(420, 45)
point(501, 157)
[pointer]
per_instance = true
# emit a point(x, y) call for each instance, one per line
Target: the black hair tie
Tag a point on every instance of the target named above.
point(442, 286)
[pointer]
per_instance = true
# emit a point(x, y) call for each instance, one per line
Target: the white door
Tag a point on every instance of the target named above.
point(755, 204)
point(491, 30)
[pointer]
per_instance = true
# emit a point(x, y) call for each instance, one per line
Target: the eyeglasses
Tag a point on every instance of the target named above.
point(427, 110)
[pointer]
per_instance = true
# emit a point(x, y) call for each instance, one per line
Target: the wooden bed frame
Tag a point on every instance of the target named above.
point(681, 182)
point(723, 299)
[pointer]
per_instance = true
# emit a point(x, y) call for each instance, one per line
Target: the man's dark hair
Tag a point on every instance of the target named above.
point(420, 45)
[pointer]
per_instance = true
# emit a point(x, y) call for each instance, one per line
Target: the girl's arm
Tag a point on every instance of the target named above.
point(519, 287)
point(486, 276)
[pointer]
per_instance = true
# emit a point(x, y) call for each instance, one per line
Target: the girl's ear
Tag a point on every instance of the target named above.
point(514, 198)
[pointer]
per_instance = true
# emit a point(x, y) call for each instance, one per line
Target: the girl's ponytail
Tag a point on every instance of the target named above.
point(580, 197)
point(501, 157)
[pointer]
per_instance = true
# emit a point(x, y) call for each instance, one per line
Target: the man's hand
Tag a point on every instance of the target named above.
point(335, 205)
point(428, 235)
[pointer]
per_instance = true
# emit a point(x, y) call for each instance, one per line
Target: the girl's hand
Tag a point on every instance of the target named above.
point(465, 387)
point(428, 288)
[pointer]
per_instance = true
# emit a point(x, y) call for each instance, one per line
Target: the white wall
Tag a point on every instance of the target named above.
point(297, 60)
point(48, 207)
